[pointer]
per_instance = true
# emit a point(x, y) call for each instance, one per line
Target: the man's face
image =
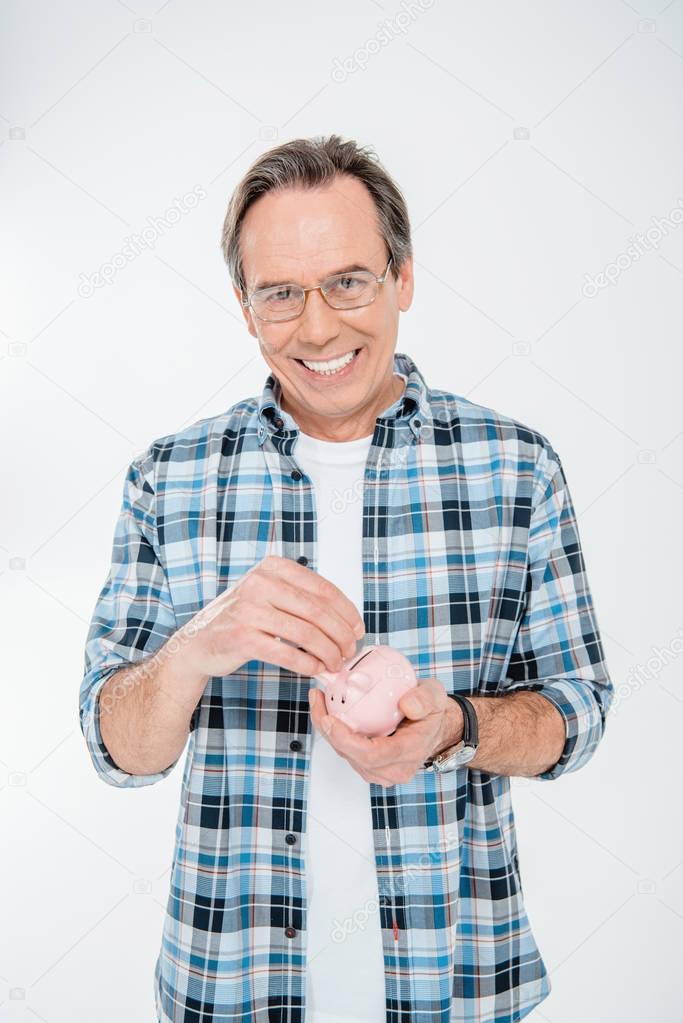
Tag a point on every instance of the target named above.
point(301, 236)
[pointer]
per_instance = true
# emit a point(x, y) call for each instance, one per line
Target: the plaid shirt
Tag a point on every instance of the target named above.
point(472, 567)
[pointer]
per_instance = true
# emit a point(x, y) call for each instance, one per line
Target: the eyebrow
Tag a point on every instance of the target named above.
point(344, 270)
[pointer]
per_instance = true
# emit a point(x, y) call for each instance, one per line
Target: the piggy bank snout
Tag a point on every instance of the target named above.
point(348, 686)
point(330, 678)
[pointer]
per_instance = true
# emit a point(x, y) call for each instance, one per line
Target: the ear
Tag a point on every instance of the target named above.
point(251, 326)
point(405, 285)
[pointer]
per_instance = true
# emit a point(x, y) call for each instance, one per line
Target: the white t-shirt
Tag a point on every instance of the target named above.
point(344, 978)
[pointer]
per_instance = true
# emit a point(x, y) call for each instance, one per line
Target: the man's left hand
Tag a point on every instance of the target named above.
point(432, 722)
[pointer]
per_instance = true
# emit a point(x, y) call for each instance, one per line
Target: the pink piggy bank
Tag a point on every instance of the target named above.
point(364, 693)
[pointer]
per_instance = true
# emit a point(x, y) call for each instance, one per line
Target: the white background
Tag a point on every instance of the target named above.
point(533, 141)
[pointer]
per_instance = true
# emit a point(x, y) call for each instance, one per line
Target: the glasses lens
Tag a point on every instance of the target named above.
point(278, 303)
point(348, 291)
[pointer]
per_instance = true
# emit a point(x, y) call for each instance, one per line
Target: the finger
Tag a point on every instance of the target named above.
point(318, 586)
point(404, 745)
point(383, 777)
point(266, 648)
point(320, 616)
point(427, 697)
point(350, 744)
point(322, 721)
point(299, 631)
point(316, 702)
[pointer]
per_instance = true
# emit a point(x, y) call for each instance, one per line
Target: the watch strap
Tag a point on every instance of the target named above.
point(470, 733)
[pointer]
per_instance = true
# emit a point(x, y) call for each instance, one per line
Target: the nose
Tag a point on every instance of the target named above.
point(318, 323)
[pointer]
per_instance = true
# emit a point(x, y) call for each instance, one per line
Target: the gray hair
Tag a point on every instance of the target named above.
point(310, 163)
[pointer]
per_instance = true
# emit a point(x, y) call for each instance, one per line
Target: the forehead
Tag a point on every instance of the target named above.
point(302, 235)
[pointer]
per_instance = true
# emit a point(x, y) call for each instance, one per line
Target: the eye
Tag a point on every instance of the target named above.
point(268, 298)
point(348, 283)
point(281, 295)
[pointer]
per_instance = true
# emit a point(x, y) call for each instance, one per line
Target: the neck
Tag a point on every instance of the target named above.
point(354, 426)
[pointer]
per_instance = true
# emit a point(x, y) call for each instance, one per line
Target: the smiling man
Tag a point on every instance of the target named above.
point(320, 876)
point(334, 360)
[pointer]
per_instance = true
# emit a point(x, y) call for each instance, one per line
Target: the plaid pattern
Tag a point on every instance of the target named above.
point(472, 567)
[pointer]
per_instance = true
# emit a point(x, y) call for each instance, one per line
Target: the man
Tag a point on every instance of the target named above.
point(318, 874)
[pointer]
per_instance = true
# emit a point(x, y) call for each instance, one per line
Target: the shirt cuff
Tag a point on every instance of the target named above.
point(583, 717)
point(104, 763)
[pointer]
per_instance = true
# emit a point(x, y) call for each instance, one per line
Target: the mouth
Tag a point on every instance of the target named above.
point(332, 369)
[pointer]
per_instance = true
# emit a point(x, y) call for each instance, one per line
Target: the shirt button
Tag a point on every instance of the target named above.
point(296, 474)
point(290, 839)
point(290, 932)
point(302, 559)
point(295, 745)
point(418, 424)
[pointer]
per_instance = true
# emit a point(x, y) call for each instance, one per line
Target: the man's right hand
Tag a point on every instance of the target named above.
point(277, 599)
point(145, 715)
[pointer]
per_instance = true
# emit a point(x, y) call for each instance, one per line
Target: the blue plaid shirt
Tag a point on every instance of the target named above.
point(473, 568)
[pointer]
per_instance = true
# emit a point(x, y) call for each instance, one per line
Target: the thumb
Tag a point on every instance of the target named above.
point(415, 704)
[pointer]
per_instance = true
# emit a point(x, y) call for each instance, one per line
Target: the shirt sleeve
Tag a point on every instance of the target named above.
point(558, 652)
point(133, 616)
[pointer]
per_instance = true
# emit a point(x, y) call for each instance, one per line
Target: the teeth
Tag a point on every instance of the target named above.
point(333, 366)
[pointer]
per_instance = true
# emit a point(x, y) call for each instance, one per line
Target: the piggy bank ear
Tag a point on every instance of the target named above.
point(360, 680)
point(357, 687)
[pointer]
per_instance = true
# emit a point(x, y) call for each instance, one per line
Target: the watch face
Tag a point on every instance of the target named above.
point(456, 757)
point(466, 754)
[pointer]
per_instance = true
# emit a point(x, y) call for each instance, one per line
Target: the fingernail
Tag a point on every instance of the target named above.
point(359, 629)
point(326, 724)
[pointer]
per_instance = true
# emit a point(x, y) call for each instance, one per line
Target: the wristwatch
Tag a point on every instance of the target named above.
point(462, 752)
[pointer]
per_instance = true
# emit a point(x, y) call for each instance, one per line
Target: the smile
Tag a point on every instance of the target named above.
point(331, 367)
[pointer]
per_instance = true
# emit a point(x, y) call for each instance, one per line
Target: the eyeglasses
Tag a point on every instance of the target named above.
point(340, 291)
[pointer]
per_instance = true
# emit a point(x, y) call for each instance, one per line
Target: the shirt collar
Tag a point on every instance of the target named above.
point(412, 406)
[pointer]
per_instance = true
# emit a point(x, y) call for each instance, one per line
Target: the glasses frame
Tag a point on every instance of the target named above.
point(318, 287)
